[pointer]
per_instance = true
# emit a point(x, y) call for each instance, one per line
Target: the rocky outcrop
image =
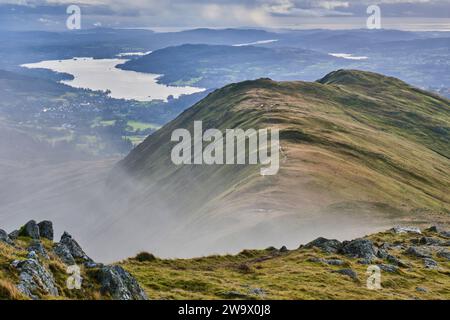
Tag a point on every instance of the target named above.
point(34, 278)
point(37, 280)
point(119, 284)
point(326, 245)
point(359, 248)
point(68, 245)
point(46, 229)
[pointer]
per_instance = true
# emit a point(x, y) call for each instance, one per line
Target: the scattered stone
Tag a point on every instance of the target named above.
point(63, 252)
point(120, 284)
point(34, 278)
point(429, 241)
point(420, 289)
point(405, 229)
point(388, 268)
point(347, 272)
point(396, 261)
point(418, 252)
point(46, 229)
point(359, 248)
point(5, 238)
point(334, 262)
point(37, 247)
point(326, 245)
point(257, 292)
point(30, 229)
point(73, 247)
point(284, 249)
point(14, 235)
point(365, 261)
point(444, 254)
point(92, 265)
point(430, 263)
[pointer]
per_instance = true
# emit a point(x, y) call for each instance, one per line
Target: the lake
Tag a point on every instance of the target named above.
point(102, 74)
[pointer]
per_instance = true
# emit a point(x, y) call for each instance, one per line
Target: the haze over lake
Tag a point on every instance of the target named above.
point(102, 74)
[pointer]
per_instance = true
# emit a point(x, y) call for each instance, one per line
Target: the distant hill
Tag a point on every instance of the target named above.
point(213, 66)
point(359, 151)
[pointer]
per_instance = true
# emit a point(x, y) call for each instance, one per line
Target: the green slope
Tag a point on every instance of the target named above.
point(354, 144)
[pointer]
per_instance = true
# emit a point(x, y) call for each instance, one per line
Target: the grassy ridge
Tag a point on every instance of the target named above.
point(296, 274)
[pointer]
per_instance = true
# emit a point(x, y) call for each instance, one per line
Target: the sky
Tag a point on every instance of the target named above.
point(166, 14)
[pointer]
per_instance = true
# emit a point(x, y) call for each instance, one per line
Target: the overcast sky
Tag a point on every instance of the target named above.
point(48, 14)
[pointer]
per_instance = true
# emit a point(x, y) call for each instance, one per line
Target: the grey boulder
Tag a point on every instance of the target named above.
point(444, 254)
point(63, 252)
point(46, 229)
point(34, 278)
point(359, 248)
point(430, 263)
point(347, 272)
point(418, 252)
point(326, 245)
point(38, 248)
point(120, 284)
point(30, 229)
point(405, 229)
point(74, 248)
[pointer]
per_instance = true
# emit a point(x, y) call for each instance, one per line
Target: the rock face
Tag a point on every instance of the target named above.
point(329, 246)
point(34, 277)
point(359, 248)
point(120, 284)
point(4, 237)
point(46, 229)
point(31, 229)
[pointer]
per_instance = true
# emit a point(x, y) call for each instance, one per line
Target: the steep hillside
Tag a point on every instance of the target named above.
point(359, 152)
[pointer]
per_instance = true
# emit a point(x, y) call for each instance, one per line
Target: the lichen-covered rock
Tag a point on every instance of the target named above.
point(429, 241)
point(4, 237)
point(444, 254)
point(74, 248)
point(396, 261)
point(326, 245)
point(14, 235)
point(35, 279)
point(419, 252)
point(359, 248)
point(30, 229)
point(63, 252)
point(430, 263)
point(46, 229)
point(38, 248)
point(405, 229)
point(119, 284)
point(388, 268)
point(347, 272)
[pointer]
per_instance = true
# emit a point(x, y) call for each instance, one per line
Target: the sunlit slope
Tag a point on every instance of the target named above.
point(353, 142)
